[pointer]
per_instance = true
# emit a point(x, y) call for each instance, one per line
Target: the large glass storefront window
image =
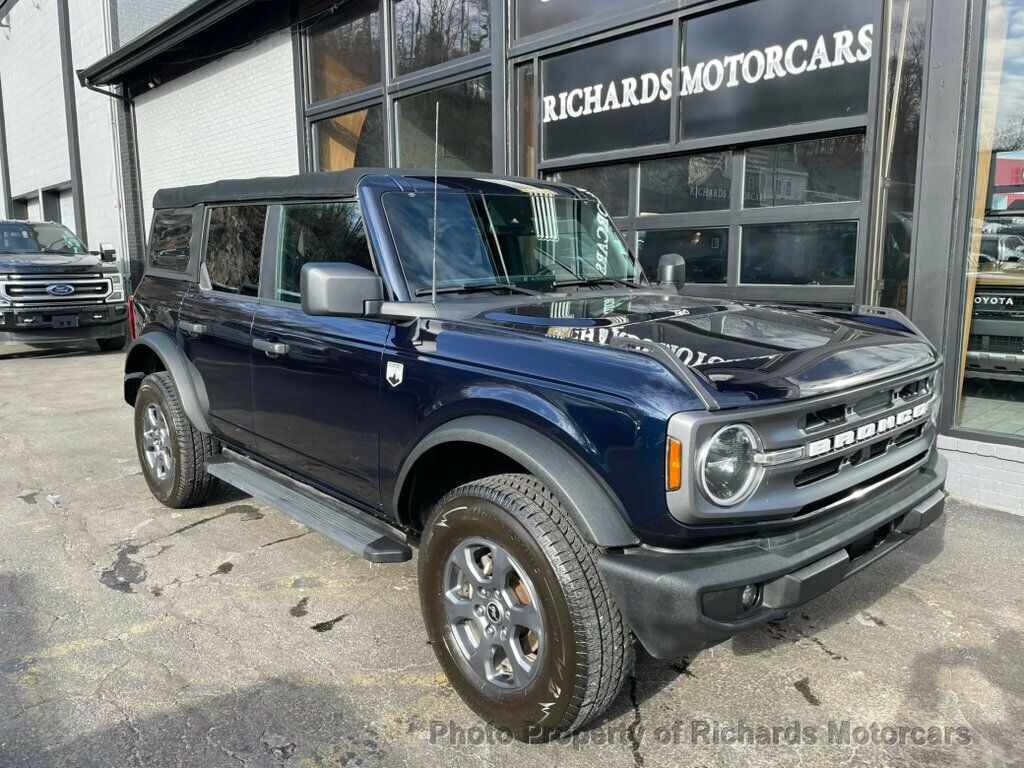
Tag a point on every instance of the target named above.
point(462, 113)
point(806, 253)
point(351, 140)
point(429, 32)
point(344, 51)
point(992, 360)
point(818, 171)
point(706, 251)
point(684, 184)
point(609, 183)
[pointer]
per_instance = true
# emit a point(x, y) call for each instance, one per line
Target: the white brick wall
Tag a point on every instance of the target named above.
point(37, 141)
point(136, 16)
point(97, 130)
point(233, 118)
point(986, 473)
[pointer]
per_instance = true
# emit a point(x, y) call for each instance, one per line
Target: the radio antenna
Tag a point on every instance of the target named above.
point(437, 142)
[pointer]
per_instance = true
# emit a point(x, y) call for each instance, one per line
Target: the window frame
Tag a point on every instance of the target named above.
point(203, 276)
point(272, 249)
point(493, 61)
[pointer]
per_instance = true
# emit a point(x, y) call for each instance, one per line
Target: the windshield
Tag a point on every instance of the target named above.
point(22, 237)
point(529, 241)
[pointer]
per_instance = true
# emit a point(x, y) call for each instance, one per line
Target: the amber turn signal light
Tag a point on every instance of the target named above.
point(674, 465)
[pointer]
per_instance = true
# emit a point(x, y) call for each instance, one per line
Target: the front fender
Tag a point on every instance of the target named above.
point(588, 500)
point(186, 377)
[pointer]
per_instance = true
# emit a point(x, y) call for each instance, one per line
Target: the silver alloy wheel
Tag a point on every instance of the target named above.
point(494, 614)
point(156, 440)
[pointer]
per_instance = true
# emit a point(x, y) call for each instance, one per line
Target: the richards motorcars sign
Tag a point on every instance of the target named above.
point(750, 67)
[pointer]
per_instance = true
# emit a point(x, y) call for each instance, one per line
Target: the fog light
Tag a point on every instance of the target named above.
point(750, 595)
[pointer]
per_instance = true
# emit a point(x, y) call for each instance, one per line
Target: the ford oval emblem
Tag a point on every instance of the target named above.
point(60, 289)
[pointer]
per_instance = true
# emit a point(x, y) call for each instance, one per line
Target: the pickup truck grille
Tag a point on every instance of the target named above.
point(865, 438)
point(39, 290)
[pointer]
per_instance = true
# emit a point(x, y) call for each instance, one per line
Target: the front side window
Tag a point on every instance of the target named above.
point(234, 243)
point(22, 237)
point(535, 241)
point(317, 233)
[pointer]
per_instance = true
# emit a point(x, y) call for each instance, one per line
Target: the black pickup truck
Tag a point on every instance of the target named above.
point(54, 291)
point(476, 366)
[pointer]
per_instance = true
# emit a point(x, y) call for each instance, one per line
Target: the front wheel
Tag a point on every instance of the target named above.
point(516, 611)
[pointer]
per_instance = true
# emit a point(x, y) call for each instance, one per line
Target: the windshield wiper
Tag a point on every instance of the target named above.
point(479, 289)
point(596, 281)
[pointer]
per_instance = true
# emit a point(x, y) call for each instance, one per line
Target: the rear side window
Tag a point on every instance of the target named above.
point(234, 243)
point(319, 232)
point(172, 234)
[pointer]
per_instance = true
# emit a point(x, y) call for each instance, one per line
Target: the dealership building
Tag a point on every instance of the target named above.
point(830, 152)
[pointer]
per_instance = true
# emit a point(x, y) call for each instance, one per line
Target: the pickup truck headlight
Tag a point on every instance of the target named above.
point(726, 468)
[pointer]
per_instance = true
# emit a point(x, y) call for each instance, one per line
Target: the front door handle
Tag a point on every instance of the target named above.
point(270, 348)
point(191, 329)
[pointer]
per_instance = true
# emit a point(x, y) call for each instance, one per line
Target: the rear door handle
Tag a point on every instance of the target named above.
point(192, 329)
point(270, 348)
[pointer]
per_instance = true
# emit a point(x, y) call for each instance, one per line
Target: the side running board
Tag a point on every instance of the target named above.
point(353, 529)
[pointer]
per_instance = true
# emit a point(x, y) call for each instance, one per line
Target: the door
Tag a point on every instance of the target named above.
point(316, 380)
point(215, 319)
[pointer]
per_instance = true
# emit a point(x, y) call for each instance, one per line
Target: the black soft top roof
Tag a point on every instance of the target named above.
point(337, 184)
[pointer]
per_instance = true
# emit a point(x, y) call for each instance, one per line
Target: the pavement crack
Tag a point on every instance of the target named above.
point(636, 727)
point(286, 538)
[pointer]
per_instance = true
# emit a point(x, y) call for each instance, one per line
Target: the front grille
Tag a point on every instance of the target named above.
point(35, 291)
point(862, 438)
point(1007, 345)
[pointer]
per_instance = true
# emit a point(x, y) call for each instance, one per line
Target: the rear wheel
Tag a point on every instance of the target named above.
point(113, 344)
point(516, 611)
point(172, 452)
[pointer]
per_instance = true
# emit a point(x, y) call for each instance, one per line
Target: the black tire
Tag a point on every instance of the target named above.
point(185, 482)
point(587, 649)
point(113, 344)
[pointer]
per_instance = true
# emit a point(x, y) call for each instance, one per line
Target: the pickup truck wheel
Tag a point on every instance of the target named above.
point(516, 611)
point(112, 345)
point(171, 451)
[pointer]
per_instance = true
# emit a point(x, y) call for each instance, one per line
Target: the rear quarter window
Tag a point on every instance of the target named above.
point(172, 236)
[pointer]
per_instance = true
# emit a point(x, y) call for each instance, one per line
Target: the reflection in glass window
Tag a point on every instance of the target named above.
point(317, 233)
point(172, 234)
point(429, 32)
point(344, 50)
point(901, 132)
point(234, 243)
point(530, 241)
point(819, 171)
point(992, 394)
point(706, 251)
point(691, 183)
point(348, 141)
point(609, 183)
point(526, 93)
point(805, 253)
point(465, 127)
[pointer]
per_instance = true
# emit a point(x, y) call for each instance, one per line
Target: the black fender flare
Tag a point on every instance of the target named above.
point(186, 377)
point(592, 505)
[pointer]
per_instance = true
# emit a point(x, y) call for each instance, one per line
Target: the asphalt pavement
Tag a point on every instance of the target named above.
point(134, 635)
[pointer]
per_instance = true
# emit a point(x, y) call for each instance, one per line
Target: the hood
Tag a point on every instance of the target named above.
point(48, 262)
point(739, 352)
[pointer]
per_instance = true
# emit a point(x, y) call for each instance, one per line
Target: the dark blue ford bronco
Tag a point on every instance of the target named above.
point(477, 366)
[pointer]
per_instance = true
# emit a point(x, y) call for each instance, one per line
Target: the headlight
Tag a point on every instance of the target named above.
point(726, 468)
